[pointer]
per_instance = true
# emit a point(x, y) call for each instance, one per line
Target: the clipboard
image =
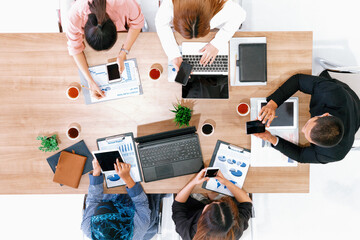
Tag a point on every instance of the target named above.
point(233, 162)
point(126, 145)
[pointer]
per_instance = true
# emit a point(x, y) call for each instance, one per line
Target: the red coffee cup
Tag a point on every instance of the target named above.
point(243, 109)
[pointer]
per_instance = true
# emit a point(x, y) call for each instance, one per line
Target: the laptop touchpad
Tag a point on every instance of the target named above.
point(164, 171)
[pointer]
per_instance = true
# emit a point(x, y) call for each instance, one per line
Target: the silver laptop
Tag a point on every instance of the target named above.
point(191, 53)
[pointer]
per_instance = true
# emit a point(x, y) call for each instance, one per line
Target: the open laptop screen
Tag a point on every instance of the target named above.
point(206, 86)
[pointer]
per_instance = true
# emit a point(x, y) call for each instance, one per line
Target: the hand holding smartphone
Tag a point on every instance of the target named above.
point(255, 127)
point(211, 172)
point(183, 74)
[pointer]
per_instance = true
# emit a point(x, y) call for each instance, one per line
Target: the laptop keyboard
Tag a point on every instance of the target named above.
point(219, 65)
point(170, 152)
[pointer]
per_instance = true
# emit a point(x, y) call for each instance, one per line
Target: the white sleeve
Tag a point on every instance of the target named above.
point(232, 15)
point(163, 18)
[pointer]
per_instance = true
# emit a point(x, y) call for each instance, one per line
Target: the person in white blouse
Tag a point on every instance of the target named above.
point(194, 19)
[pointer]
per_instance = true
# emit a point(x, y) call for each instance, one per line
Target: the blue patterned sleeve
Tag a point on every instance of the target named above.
point(142, 211)
point(95, 195)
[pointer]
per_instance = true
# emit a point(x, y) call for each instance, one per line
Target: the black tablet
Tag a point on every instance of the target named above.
point(107, 159)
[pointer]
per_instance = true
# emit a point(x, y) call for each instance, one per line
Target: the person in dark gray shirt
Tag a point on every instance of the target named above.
point(223, 219)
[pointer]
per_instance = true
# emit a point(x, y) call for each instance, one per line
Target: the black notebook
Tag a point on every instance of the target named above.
point(252, 62)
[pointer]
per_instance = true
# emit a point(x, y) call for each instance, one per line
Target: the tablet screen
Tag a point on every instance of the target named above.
point(285, 115)
point(107, 159)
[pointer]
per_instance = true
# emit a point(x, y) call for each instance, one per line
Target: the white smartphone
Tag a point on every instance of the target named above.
point(113, 72)
point(211, 172)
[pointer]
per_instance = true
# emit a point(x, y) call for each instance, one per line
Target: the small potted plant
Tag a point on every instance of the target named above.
point(182, 115)
point(48, 144)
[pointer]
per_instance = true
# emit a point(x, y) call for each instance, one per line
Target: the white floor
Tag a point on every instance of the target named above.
point(331, 209)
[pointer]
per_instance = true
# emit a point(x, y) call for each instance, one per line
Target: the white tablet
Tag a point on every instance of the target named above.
point(287, 114)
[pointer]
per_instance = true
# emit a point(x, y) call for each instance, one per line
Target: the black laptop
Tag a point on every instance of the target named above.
point(170, 154)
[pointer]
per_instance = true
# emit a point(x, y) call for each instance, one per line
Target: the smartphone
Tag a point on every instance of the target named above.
point(183, 74)
point(255, 127)
point(113, 72)
point(211, 172)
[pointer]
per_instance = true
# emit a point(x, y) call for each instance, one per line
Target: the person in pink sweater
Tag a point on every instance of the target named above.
point(99, 21)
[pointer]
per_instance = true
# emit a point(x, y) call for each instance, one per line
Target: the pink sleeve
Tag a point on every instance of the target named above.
point(75, 32)
point(135, 16)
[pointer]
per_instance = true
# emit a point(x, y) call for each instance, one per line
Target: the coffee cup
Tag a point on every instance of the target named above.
point(73, 92)
point(207, 129)
point(73, 131)
point(243, 109)
point(155, 71)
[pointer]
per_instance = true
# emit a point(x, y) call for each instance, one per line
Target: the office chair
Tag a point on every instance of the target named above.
point(349, 75)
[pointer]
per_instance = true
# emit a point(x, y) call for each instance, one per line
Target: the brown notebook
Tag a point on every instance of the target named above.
point(69, 169)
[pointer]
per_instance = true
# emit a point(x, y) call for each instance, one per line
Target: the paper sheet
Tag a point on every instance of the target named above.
point(262, 153)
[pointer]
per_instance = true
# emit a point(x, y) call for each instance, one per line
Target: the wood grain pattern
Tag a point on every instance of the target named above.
point(35, 70)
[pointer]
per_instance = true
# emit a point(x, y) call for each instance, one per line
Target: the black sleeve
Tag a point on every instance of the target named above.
point(181, 215)
point(302, 82)
point(301, 154)
point(245, 212)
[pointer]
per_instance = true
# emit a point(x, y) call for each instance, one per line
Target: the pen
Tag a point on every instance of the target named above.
point(85, 87)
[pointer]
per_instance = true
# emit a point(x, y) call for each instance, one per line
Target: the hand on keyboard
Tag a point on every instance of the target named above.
point(209, 54)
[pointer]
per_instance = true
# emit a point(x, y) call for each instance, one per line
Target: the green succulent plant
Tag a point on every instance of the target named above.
point(48, 144)
point(182, 115)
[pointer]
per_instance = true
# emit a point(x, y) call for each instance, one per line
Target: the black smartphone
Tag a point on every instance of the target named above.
point(255, 127)
point(211, 172)
point(113, 72)
point(183, 74)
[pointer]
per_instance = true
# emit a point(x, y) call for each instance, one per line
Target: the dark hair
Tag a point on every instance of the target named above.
point(220, 221)
point(100, 31)
point(192, 17)
point(327, 131)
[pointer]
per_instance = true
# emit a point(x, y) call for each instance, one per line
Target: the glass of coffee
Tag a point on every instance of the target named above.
point(155, 71)
point(207, 129)
point(73, 91)
point(243, 109)
point(73, 131)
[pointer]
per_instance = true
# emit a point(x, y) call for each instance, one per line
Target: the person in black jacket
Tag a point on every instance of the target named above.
point(225, 219)
point(335, 118)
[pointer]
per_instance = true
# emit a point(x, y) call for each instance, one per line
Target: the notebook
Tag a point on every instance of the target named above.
point(79, 148)
point(233, 163)
point(69, 169)
point(252, 62)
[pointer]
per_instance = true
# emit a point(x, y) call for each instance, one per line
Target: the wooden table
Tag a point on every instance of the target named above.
point(35, 70)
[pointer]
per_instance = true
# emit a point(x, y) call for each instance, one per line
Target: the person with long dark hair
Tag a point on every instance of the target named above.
point(99, 21)
point(195, 19)
point(223, 219)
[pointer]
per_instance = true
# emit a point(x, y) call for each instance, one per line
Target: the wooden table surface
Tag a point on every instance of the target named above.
point(35, 70)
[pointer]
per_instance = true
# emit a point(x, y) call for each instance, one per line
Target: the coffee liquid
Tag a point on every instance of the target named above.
point(73, 92)
point(73, 133)
point(154, 74)
point(207, 129)
point(243, 108)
